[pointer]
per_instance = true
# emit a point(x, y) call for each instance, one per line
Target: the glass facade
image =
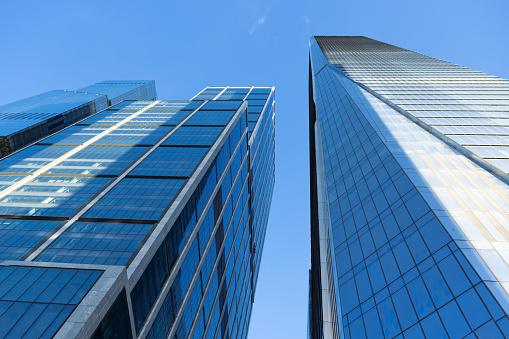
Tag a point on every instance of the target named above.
point(28, 120)
point(145, 220)
point(36, 301)
point(409, 195)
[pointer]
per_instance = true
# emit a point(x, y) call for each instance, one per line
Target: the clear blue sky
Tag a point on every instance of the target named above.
point(186, 46)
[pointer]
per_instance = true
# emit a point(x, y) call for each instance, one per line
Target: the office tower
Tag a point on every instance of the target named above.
point(145, 220)
point(28, 120)
point(409, 195)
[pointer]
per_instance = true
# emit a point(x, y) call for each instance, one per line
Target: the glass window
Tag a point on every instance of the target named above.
point(170, 162)
point(133, 198)
point(96, 243)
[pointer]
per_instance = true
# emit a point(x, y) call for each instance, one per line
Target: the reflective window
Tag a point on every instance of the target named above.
point(96, 243)
point(170, 162)
point(132, 198)
point(194, 136)
point(35, 301)
point(51, 196)
point(18, 237)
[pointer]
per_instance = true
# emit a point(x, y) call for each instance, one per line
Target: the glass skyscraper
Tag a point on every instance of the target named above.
point(409, 195)
point(28, 120)
point(146, 220)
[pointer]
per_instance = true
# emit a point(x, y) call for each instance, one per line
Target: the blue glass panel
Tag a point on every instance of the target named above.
point(75, 135)
point(433, 327)
point(260, 90)
point(388, 318)
point(221, 105)
point(159, 117)
point(119, 90)
point(51, 196)
point(190, 136)
point(8, 180)
point(33, 158)
point(128, 104)
point(209, 93)
point(170, 162)
point(218, 118)
point(357, 329)
point(414, 332)
point(348, 294)
point(437, 287)
point(372, 322)
point(489, 330)
point(131, 198)
point(98, 160)
point(35, 301)
point(177, 105)
point(473, 308)
point(454, 321)
point(108, 118)
point(96, 243)
point(404, 309)
point(454, 275)
point(116, 322)
point(133, 135)
point(420, 298)
point(17, 237)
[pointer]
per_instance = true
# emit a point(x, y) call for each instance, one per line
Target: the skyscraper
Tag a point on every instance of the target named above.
point(409, 195)
point(145, 220)
point(28, 120)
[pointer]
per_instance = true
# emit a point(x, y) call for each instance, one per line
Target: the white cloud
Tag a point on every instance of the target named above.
point(306, 19)
point(258, 22)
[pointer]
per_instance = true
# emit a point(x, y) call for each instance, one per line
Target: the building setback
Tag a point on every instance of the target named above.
point(28, 120)
point(409, 194)
point(146, 220)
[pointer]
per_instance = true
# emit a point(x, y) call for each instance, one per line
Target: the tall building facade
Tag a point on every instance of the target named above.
point(146, 220)
point(28, 120)
point(409, 195)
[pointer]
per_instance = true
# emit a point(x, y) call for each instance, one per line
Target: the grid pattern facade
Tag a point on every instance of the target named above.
point(120, 90)
point(417, 220)
point(28, 120)
point(166, 201)
point(36, 300)
point(464, 106)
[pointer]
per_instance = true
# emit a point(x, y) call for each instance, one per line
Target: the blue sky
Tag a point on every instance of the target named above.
point(186, 46)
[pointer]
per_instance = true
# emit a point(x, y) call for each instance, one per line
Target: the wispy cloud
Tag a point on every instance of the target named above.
point(258, 22)
point(305, 19)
